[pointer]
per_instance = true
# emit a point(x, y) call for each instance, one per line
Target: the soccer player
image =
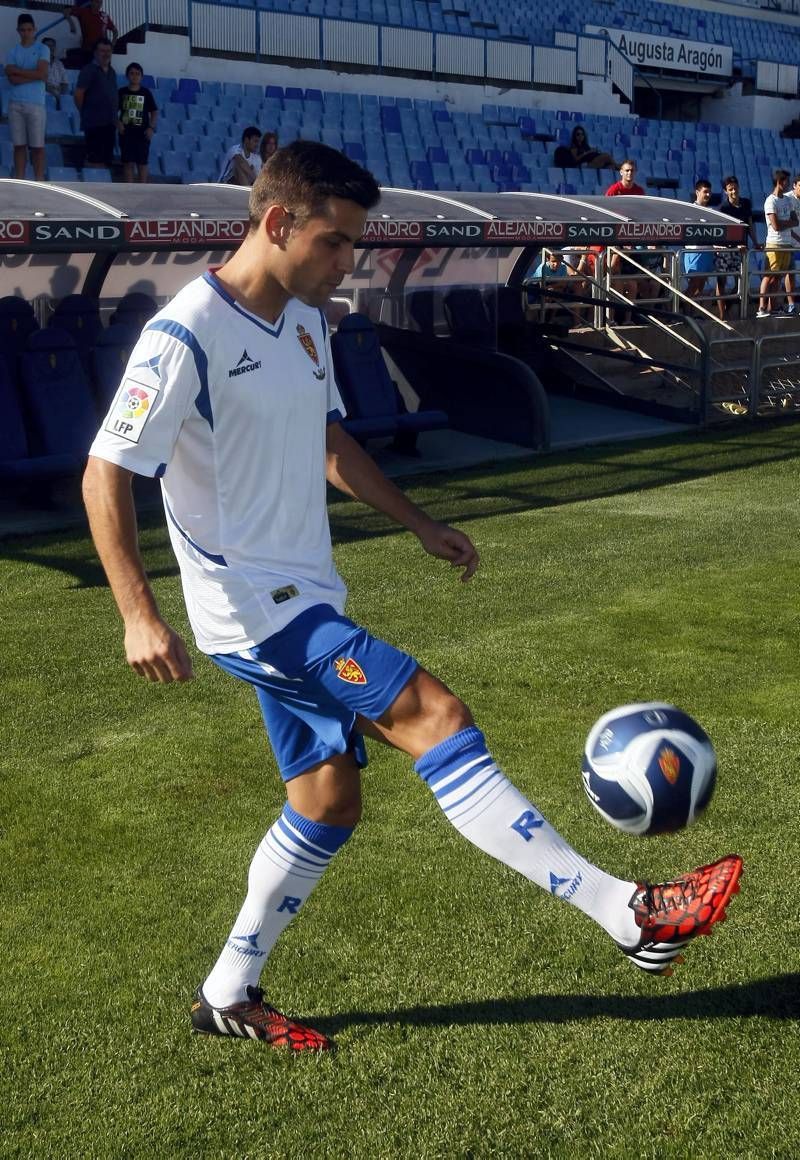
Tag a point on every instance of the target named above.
point(229, 398)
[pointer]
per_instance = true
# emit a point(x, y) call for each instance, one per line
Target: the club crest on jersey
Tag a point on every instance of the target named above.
point(670, 764)
point(349, 670)
point(308, 345)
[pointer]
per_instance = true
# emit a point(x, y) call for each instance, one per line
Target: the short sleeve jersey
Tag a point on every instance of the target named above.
point(782, 208)
point(135, 108)
point(29, 92)
point(231, 413)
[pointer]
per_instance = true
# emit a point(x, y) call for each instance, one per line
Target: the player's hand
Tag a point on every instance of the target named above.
point(450, 544)
point(156, 652)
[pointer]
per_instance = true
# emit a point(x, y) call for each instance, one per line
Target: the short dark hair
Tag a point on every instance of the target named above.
point(25, 18)
point(102, 40)
point(251, 131)
point(702, 183)
point(303, 175)
point(134, 64)
point(780, 175)
point(730, 180)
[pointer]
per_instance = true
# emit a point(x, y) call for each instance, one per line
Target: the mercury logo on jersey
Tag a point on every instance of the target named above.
point(244, 365)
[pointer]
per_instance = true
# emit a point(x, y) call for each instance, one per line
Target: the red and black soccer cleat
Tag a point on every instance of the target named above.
point(672, 913)
point(255, 1019)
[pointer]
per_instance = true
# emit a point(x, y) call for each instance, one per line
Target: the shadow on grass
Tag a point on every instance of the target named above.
point(774, 998)
point(470, 493)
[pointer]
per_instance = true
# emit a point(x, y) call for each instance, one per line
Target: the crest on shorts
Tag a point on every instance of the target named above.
point(307, 342)
point(669, 764)
point(349, 670)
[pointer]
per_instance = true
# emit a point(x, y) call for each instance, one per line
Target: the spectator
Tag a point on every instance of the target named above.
point(95, 24)
point(268, 146)
point(242, 163)
point(96, 98)
point(789, 279)
point(56, 82)
point(725, 261)
point(579, 152)
point(781, 218)
point(138, 115)
point(626, 186)
point(698, 263)
point(552, 267)
point(26, 71)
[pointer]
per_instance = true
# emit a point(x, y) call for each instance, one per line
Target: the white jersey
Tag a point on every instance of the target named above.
point(231, 413)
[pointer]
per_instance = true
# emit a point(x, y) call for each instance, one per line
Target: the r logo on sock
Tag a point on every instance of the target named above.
point(290, 904)
point(527, 822)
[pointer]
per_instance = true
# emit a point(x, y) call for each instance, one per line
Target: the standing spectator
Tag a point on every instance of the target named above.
point(95, 24)
point(726, 262)
point(789, 278)
point(781, 218)
point(96, 98)
point(626, 183)
point(626, 186)
point(56, 83)
point(138, 114)
point(698, 263)
point(26, 70)
point(268, 146)
point(242, 163)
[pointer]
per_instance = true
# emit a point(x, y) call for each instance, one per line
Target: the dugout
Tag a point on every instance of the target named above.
point(442, 278)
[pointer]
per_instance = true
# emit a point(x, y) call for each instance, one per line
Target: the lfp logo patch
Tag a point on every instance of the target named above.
point(131, 409)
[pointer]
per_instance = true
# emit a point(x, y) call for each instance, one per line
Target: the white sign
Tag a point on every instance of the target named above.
point(656, 52)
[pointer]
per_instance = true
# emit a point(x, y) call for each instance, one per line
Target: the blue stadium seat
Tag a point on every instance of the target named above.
point(109, 359)
point(17, 323)
point(374, 405)
point(17, 462)
point(57, 395)
point(79, 316)
point(134, 309)
point(466, 316)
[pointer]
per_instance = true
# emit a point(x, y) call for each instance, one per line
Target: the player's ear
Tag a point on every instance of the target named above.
point(278, 224)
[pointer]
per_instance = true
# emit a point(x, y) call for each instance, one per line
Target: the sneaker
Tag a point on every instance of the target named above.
point(673, 913)
point(255, 1019)
point(763, 313)
point(735, 408)
point(789, 309)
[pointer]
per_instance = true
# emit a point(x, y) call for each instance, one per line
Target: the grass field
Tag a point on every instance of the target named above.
point(475, 1015)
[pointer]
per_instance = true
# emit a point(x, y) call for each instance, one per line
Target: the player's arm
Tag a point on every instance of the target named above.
point(353, 472)
point(153, 649)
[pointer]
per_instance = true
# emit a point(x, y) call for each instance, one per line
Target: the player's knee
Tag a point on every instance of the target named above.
point(444, 716)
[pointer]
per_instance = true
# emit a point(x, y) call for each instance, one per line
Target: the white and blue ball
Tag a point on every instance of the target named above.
point(648, 768)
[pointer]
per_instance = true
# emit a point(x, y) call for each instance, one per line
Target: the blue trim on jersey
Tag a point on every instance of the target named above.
point(334, 416)
point(208, 555)
point(177, 330)
point(162, 467)
point(273, 332)
point(324, 322)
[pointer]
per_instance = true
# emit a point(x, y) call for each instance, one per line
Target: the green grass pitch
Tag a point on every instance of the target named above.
point(475, 1015)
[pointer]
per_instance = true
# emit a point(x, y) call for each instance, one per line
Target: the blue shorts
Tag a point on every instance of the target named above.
point(312, 678)
point(698, 262)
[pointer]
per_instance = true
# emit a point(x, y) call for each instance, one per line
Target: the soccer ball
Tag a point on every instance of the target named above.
point(648, 768)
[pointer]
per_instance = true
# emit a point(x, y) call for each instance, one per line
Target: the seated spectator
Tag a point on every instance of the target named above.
point(579, 152)
point(56, 82)
point(242, 163)
point(138, 114)
point(552, 267)
point(269, 144)
point(95, 25)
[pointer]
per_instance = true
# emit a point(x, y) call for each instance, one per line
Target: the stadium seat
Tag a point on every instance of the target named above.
point(134, 309)
point(79, 316)
point(374, 405)
point(57, 395)
point(109, 359)
point(16, 460)
point(17, 323)
point(466, 316)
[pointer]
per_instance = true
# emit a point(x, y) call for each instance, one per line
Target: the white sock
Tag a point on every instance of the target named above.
point(491, 813)
point(285, 869)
